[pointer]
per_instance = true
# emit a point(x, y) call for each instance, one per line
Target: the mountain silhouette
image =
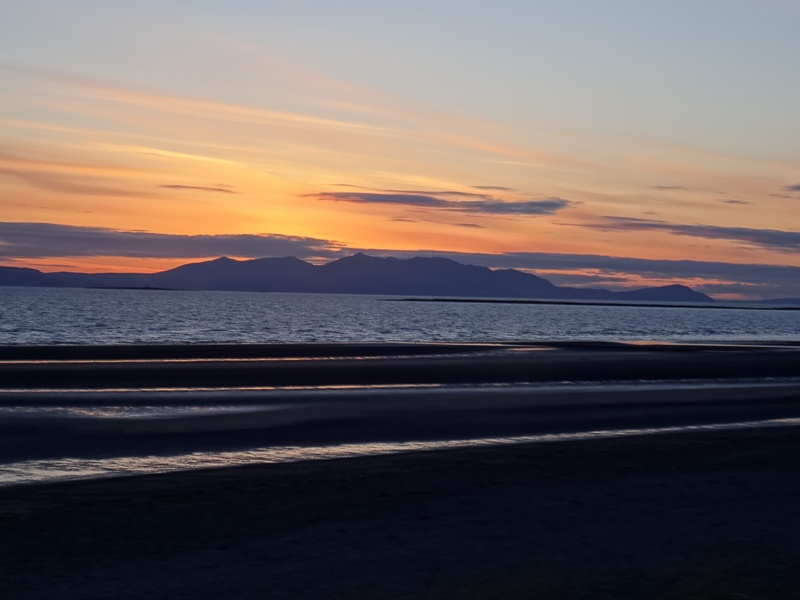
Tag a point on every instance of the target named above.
point(23, 277)
point(258, 275)
point(421, 276)
point(356, 274)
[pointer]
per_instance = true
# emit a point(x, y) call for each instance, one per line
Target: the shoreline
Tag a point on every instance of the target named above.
point(632, 304)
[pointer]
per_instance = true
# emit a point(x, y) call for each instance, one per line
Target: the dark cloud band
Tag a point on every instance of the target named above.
point(483, 206)
point(772, 239)
point(45, 240)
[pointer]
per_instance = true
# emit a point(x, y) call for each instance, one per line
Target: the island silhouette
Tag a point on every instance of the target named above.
point(355, 274)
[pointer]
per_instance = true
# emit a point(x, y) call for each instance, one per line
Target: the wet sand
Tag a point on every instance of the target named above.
point(659, 517)
point(142, 367)
point(670, 516)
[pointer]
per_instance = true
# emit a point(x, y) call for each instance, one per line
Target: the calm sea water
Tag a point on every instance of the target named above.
point(88, 316)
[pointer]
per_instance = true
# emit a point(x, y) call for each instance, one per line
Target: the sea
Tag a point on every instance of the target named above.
point(127, 316)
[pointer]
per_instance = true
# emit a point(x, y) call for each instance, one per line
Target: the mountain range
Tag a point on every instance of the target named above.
point(356, 274)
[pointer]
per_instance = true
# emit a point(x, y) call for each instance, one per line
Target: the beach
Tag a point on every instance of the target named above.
point(683, 486)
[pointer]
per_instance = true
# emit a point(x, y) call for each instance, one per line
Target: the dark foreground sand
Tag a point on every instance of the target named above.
point(674, 516)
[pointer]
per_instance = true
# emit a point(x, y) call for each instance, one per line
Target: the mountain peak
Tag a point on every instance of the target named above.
point(361, 257)
point(674, 292)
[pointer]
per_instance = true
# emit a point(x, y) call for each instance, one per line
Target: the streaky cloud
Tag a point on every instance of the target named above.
point(410, 199)
point(547, 206)
point(773, 239)
point(424, 192)
point(201, 188)
point(67, 184)
point(45, 240)
point(793, 188)
point(487, 206)
point(437, 193)
point(467, 225)
point(12, 162)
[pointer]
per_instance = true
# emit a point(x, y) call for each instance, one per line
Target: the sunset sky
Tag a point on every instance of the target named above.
point(622, 143)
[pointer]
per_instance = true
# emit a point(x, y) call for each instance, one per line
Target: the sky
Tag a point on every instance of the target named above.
point(616, 144)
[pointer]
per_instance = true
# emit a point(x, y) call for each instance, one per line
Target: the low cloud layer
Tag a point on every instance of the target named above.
point(46, 240)
point(483, 206)
point(772, 239)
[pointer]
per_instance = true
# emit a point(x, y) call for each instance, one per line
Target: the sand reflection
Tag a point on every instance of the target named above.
point(41, 471)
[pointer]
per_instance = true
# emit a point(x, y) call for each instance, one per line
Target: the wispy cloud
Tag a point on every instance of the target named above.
point(734, 201)
point(406, 220)
point(67, 184)
point(466, 225)
point(422, 125)
point(456, 193)
point(201, 188)
point(493, 188)
point(84, 179)
point(435, 193)
point(45, 240)
point(486, 206)
point(374, 198)
point(772, 239)
point(185, 105)
point(793, 188)
point(11, 162)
